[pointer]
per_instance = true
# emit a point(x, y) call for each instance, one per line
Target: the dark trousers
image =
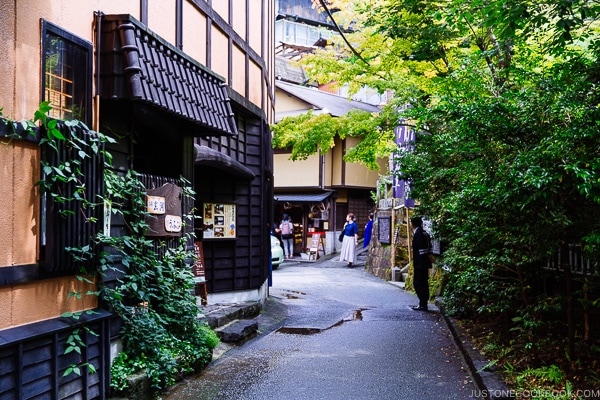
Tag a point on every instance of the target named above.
point(421, 285)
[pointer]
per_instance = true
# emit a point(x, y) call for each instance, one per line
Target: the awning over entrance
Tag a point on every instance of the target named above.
point(302, 197)
point(206, 156)
point(137, 64)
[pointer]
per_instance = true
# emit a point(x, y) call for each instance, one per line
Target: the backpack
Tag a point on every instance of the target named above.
point(285, 228)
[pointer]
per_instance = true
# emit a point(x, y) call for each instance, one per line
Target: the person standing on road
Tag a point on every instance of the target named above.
point(368, 231)
point(287, 235)
point(421, 263)
point(348, 251)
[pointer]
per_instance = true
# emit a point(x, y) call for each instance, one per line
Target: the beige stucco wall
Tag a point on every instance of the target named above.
point(238, 21)
point(37, 301)
point(295, 174)
point(194, 41)
point(254, 83)
point(337, 153)
point(222, 8)
point(254, 11)
point(18, 162)
point(26, 204)
point(7, 200)
point(337, 173)
point(219, 53)
point(7, 47)
point(357, 175)
point(161, 19)
point(286, 103)
point(238, 81)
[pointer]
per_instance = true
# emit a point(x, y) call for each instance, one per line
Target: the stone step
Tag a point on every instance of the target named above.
point(217, 315)
point(237, 331)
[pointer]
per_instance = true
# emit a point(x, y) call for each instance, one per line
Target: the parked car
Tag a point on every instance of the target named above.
point(276, 252)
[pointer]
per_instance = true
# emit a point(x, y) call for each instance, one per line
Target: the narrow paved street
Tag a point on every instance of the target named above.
point(347, 335)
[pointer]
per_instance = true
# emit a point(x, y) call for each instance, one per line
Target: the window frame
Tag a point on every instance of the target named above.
point(49, 262)
point(48, 28)
point(22, 273)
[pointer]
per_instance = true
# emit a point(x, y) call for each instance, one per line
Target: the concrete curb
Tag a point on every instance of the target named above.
point(481, 370)
point(274, 312)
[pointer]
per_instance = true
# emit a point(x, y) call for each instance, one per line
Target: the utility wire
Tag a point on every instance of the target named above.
point(356, 53)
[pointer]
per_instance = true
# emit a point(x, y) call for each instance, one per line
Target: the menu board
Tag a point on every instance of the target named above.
point(385, 229)
point(218, 221)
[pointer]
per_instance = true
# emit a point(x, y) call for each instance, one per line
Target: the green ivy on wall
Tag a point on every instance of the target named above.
point(161, 333)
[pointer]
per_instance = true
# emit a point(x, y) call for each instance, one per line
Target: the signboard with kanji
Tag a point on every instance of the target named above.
point(163, 205)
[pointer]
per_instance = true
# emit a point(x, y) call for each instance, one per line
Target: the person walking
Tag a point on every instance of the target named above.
point(368, 231)
point(421, 247)
point(348, 251)
point(287, 235)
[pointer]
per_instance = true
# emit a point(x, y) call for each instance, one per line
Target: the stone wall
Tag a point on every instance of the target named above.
point(379, 255)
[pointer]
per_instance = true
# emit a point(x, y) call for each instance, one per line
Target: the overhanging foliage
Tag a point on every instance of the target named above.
point(504, 97)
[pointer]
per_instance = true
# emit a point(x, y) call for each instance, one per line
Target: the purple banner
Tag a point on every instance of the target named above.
point(405, 139)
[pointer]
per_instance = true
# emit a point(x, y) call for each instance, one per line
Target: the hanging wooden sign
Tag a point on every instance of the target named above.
point(165, 212)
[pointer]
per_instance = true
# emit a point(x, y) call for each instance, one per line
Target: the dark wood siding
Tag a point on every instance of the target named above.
point(241, 263)
point(32, 360)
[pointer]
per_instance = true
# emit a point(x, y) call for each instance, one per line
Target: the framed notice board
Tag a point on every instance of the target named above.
point(384, 231)
point(219, 221)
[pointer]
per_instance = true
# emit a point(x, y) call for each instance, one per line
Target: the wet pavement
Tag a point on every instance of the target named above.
point(332, 332)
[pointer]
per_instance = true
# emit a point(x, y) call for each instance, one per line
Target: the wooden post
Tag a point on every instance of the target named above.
point(200, 273)
point(392, 231)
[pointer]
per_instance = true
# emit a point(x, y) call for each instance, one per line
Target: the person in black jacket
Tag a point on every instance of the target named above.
point(421, 263)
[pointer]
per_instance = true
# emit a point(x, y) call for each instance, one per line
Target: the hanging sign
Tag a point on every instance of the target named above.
point(165, 212)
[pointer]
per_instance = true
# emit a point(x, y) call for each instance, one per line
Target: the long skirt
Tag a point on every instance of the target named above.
point(348, 251)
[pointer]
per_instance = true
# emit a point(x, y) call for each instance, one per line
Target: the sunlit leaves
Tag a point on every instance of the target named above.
point(308, 133)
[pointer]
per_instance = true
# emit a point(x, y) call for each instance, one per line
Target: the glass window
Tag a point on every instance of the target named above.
point(67, 77)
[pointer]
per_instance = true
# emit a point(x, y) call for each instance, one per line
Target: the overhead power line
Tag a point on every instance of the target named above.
point(341, 32)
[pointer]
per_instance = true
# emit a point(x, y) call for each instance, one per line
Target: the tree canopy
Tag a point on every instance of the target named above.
point(505, 101)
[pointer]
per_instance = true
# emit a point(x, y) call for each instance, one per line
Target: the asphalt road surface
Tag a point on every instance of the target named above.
point(346, 335)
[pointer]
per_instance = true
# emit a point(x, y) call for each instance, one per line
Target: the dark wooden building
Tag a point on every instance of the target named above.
point(186, 88)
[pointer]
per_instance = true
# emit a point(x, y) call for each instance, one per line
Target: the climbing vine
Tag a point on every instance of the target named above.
point(153, 294)
point(154, 297)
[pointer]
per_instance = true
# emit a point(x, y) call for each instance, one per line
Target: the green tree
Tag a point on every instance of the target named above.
point(504, 99)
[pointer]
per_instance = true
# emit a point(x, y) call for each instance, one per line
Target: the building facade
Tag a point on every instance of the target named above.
point(187, 90)
point(318, 193)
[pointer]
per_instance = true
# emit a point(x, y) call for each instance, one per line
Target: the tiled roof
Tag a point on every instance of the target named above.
point(137, 64)
point(288, 72)
point(325, 102)
point(206, 156)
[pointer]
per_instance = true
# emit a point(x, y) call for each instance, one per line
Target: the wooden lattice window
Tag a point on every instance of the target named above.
point(67, 73)
point(66, 84)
